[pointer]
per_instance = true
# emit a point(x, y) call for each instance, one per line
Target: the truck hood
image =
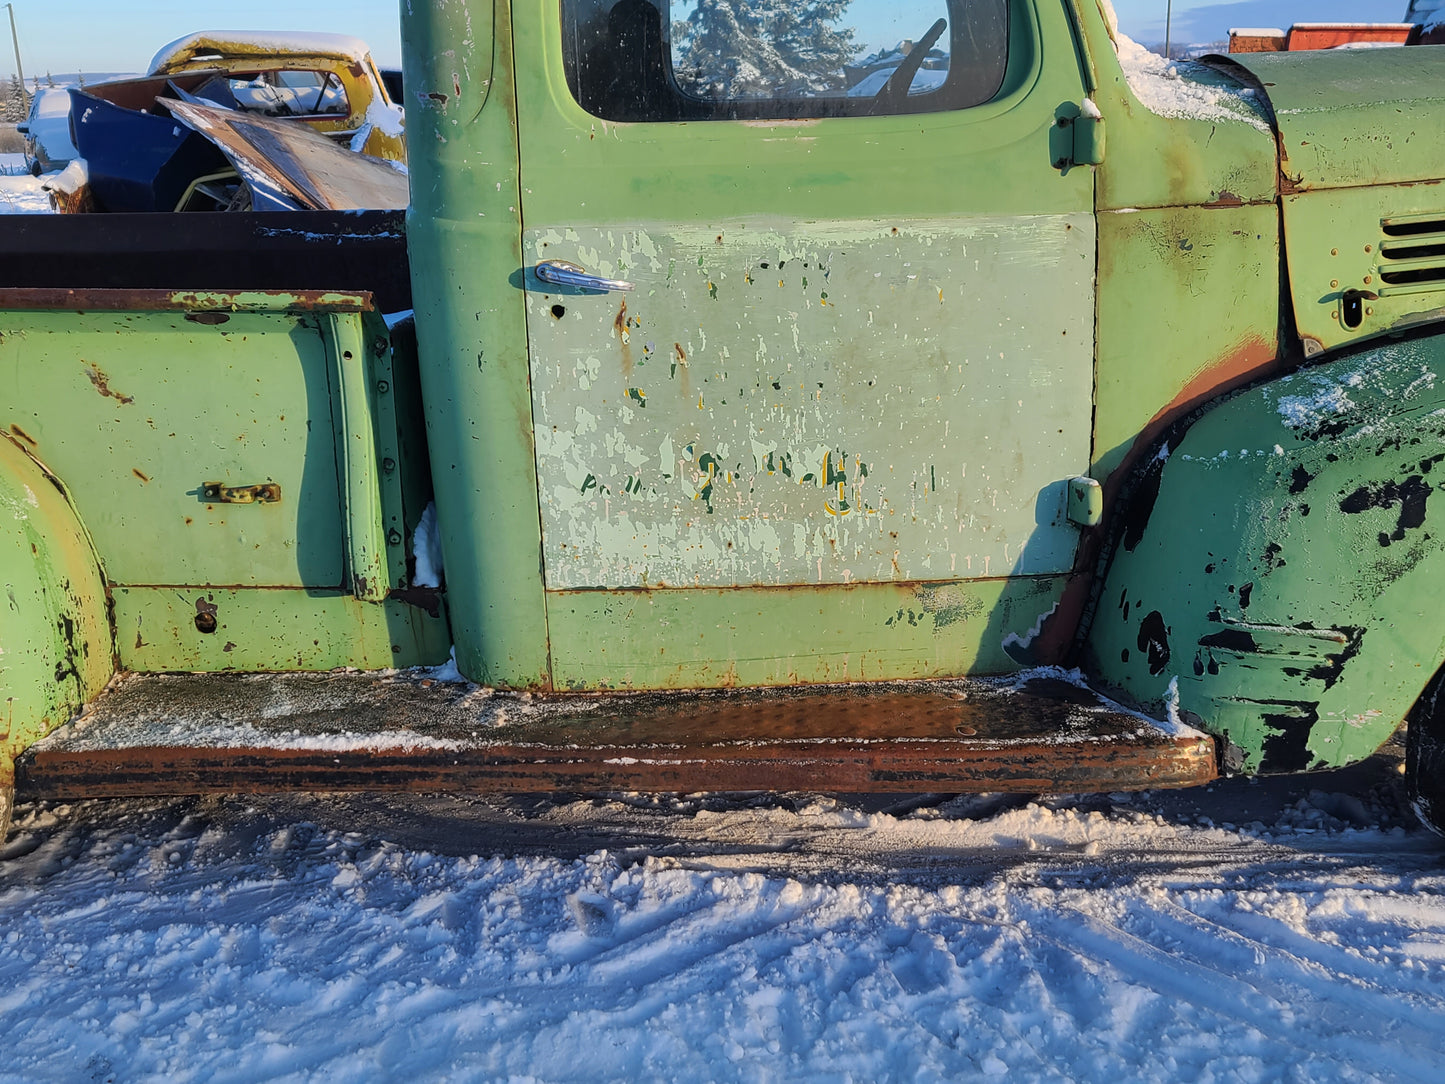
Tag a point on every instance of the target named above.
point(1350, 117)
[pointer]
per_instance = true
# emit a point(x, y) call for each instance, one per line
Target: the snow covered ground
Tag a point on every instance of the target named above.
point(1279, 930)
point(20, 193)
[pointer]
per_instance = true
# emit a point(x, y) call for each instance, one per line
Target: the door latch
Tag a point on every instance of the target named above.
point(265, 493)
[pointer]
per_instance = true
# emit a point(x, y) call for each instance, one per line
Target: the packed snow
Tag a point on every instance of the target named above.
point(1279, 930)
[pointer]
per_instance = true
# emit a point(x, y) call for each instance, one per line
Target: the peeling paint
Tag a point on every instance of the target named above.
point(844, 428)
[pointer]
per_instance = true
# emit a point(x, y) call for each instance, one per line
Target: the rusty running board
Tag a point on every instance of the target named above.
point(222, 733)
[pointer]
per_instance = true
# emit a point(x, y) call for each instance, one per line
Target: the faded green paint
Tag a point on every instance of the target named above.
point(55, 645)
point(1352, 117)
point(1188, 301)
point(174, 404)
point(813, 403)
point(1288, 580)
point(274, 629)
point(1367, 240)
point(300, 397)
point(962, 448)
point(464, 234)
point(1174, 161)
point(771, 636)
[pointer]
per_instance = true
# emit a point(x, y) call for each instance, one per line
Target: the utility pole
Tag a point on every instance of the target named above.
point(1168, 19)
point(14, 37)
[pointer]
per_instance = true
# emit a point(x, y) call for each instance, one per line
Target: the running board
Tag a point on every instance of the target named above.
point(224, 733)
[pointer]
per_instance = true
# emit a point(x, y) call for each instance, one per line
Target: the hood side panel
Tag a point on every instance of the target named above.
point(1351, 117)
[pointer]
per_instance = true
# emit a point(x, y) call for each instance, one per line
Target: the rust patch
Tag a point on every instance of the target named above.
point(844, 737)
point(1225, 198)
point(681, 353)
point(1251, 359)
point(23, 435)
point(619, 325)
point(102, 384)
point(424, 598)
point(127, 300)
point(138, 473)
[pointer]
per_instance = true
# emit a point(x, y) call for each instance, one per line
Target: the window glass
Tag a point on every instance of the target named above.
point(639, 60)
point(280, 93)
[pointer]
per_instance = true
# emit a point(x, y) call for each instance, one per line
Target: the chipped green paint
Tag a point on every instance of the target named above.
point(1284, 590)
point(55, 644)
point(882, 423)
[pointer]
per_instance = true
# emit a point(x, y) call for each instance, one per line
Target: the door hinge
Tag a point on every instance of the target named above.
point(1077, 137)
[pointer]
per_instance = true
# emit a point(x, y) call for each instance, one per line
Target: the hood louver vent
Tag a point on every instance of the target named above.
point(1412, 252)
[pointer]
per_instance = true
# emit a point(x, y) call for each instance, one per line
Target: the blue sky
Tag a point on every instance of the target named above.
point(122, 35)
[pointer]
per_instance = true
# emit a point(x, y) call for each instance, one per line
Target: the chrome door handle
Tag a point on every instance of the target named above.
point(562, 273)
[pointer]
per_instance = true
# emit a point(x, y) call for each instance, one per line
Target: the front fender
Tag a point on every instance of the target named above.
point(1280, 577)
point(56, 650)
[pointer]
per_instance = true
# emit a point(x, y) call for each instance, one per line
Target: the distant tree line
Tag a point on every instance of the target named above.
point(17, 99)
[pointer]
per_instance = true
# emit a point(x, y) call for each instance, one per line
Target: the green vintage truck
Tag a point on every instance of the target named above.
point(839, 395)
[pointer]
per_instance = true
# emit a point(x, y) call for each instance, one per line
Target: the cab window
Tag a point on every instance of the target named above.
point(302, 93)
point(658, 60)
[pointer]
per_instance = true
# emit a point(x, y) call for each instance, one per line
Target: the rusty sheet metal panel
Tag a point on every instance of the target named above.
point(1365, 261)
point(300, 164)
point(1351, 117)
point(197, 734)
point(810, 403)
point(1280, 580)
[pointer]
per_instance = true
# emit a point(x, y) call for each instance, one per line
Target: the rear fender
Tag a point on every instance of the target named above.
point(56, 647)
point(1279, 579)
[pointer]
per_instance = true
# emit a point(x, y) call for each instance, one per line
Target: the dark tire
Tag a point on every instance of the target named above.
point(1425, 755)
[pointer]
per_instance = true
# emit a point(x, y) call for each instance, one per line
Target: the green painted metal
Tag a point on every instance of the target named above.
point(1351, 117)
point(839, 429)
point(1172, 161)
point(795, 635)
point(175, 404)
point(348, 351)
point(1280, 576)
point(1188, 305)
point(855, 388)
point(809, 403)
point(55, 643)
point(273, 629)
point(464, 234)
point(292, 391)
point(1385, 243)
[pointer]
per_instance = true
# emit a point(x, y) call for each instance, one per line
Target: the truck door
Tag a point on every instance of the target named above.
point(810, 321)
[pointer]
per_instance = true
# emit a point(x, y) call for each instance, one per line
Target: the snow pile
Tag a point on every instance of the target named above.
point(24, 195)
point(426, 546)
point(260, 43)
point(1181, 89)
